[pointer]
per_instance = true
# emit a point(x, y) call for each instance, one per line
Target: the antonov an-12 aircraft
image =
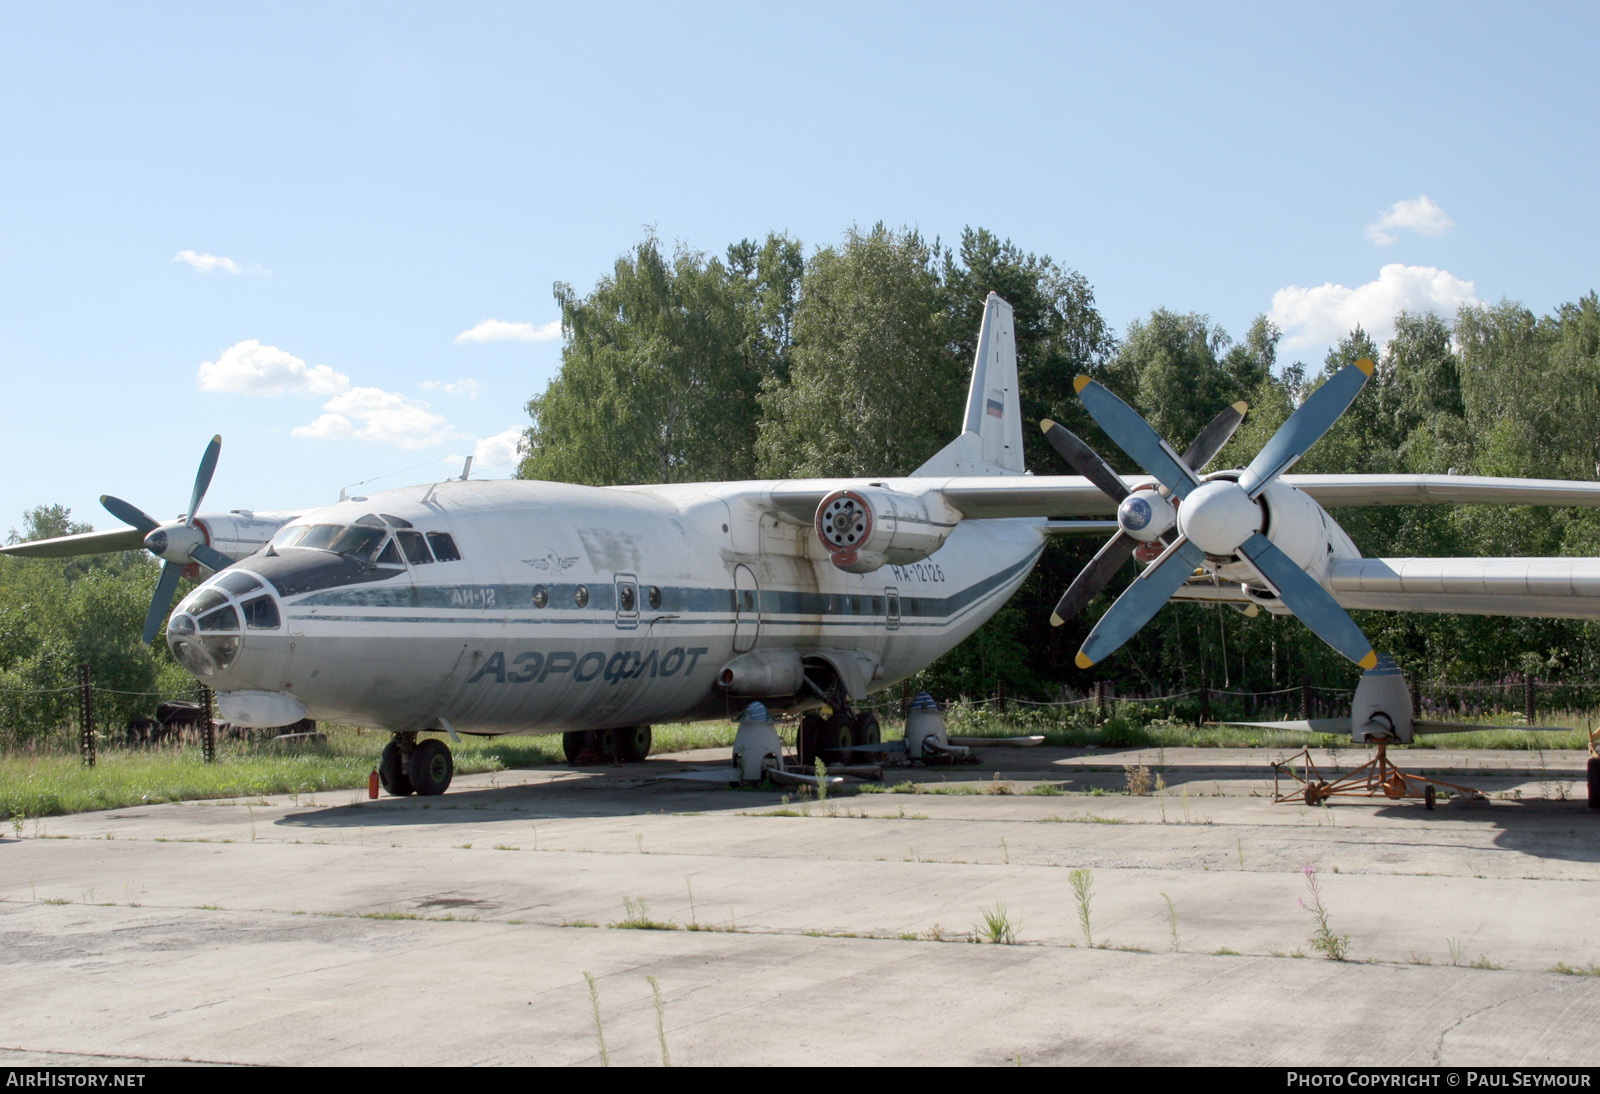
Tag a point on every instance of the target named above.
point(513, 606)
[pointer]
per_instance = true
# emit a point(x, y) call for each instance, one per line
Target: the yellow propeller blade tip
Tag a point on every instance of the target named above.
point(1046, 425)
point(1084, 662)
point(1056, 620)
point(1079, 383)
point(1370, 661)
point(1242, 407)
point(1252, 611)
point(1365, 365)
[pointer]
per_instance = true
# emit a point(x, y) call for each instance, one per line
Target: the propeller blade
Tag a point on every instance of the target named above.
point(1140, 601)
point(1310, 602)
point(161, 602)
point(1084, 460)
point(1093, 577)
point(129, 514)
point(1305, 426)
point(202, 478)
point(1216, 434)
point(84, 543)
point(211, 557)
point(1135, 437)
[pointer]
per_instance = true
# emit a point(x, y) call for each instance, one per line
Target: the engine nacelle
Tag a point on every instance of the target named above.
point(865, 528)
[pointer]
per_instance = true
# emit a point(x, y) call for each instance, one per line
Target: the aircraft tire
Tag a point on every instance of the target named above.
point(868, 732)
point(1594, 782)
point(838, 733)
point(571, 745)
point(632, 745)
point(392, 771)
point(430, 767)
point(808, 738)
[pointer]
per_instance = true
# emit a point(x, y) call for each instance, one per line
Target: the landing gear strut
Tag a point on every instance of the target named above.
point(408, 766)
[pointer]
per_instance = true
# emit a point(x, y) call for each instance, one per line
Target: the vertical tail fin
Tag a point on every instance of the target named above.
point(991, 427)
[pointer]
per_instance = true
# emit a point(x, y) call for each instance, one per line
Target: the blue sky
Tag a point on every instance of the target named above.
point(277, 224)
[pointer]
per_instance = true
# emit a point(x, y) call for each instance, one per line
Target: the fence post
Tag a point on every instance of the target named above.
point(1205, 704)
point(905, 698)
point(1527, 696)
point(208, 728)
point(1305, 696)
point(86, 714)
point(1000, 695)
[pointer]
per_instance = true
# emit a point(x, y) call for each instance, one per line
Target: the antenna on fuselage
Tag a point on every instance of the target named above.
point(466, 469)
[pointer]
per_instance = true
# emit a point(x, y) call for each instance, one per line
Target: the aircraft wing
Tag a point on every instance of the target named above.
point(990, 497)
point(85, 543)
point(1546, 588)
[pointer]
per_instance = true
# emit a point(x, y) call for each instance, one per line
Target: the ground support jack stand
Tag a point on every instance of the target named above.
point(1377, 777)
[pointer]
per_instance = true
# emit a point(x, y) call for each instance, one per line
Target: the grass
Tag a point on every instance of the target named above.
point(46, 777)
point(997, 926)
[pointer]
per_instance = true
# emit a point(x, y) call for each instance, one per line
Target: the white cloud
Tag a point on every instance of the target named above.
point(502, 450)
point(372, 414)
point(1321, 316)
point(249, 368)
point(467, 387)
point(501, 330)
point(1417, 214)
point(205, 263)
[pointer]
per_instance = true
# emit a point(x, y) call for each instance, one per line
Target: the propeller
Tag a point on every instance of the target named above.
point(176, 545)
point(1147, 519)
point(1218, 518)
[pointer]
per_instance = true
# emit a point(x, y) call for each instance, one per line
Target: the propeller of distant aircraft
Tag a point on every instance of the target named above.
point(1216, 519)
point(177, 545)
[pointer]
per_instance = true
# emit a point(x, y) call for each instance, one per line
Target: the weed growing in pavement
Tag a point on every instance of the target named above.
point(1083, 892)
point(1335, 947)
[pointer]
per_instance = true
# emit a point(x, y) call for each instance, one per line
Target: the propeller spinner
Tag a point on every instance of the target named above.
point(176, 545)
point(1217, 518)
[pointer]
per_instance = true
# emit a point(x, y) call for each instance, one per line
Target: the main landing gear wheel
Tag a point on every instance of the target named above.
point(430, 767)
point(868, 732)
point(633, 745)
point(392, 770)
point(838, 734)
point(572, 744)
point(808, 739)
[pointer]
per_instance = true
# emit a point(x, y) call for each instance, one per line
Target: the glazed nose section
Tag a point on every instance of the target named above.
point(208, 631)
point(209, 651)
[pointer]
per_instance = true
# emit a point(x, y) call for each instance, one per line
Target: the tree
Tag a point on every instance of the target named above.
point(47, 522)
point(661, 365)
point(874, 386)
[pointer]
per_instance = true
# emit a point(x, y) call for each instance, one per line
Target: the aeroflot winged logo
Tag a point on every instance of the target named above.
point(551, 562)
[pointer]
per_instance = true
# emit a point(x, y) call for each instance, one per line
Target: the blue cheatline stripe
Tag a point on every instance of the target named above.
point(776, 605)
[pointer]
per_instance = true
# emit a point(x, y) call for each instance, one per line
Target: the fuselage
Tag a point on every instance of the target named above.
point(528, 607)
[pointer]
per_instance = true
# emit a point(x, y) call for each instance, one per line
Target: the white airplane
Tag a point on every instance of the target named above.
point(524, 607)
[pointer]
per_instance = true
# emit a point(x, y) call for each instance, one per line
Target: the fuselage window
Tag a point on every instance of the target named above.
point(541, 596)
point(415, 547)
point(260, 614)
point(239, 584)
point(444, 547)
point(580, 596)
point(204, 602)
point(223, 619)
point(625, 594)
point(655, 597)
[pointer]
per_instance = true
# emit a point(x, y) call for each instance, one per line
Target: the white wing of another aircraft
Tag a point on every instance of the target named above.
point(516, 606)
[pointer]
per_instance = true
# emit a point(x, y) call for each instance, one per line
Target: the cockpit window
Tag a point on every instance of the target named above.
point(290, 536)
point(320, 536)
point(389, 556)
point(444, 547)
point(357, 542)
point(415, 547)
